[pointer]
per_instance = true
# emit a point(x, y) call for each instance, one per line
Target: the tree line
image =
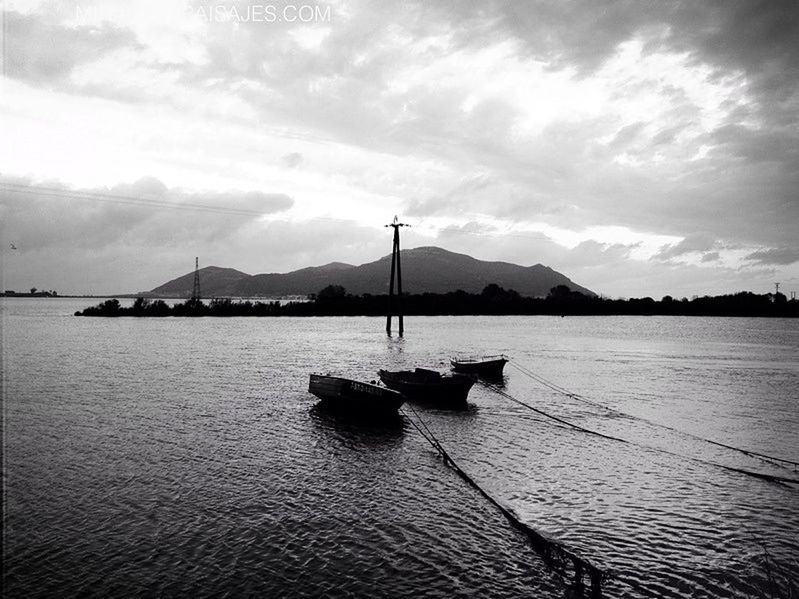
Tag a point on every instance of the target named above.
point(334, 300)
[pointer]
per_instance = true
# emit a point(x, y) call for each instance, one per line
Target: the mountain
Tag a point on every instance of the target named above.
point(214, 281)
point(424, 269)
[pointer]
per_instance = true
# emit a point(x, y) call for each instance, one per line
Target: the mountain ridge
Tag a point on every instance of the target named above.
point(424, 269)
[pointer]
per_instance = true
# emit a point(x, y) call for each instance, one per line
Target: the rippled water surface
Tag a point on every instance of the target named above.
point(173, 457)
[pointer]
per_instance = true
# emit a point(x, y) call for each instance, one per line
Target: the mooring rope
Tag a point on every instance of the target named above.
point(563, 391)
point(554, 553)
point(768, 477)
point(507, 395)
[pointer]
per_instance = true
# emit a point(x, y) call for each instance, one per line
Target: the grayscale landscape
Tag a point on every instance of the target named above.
point(423, 299)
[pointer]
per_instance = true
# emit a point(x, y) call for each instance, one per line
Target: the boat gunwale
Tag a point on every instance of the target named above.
point(342, 386)
point(444, 379)
point(474, 360)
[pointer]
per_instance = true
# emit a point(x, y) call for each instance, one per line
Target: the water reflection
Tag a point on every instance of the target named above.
point(496, 381)
point(436, 405)
point(357, 427)
point(267, 498)
point(423, 407)
point(395, 344)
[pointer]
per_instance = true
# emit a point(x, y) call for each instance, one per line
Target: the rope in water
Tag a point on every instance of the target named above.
point(760, 475)
point(557, 388)
point(554, 554)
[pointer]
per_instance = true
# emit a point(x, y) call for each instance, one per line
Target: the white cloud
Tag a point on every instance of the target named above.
point(601, 130)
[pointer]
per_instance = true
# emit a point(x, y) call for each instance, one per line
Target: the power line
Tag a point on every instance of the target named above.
point(147, 202)
point(124, 199)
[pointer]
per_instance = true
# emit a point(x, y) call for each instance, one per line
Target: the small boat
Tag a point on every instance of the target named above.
point(429, 385)
point(355, 396)
point(485, 366)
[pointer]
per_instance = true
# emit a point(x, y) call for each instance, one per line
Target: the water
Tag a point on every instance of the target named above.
point(171, 457)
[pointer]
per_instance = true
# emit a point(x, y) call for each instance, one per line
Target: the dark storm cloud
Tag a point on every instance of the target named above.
point(697, 242)
point(759, 36)
point(341, 88)
point(349, 89)
point(50, 217)
point(776, 256)
point(759, 146)
point(146, 211)
point(364, 50)
point(130, 237)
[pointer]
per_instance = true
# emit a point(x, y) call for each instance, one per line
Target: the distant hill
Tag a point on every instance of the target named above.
point(424, 269)
point(214, 282)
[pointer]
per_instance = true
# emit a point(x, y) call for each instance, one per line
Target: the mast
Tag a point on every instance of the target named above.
point(396, 268)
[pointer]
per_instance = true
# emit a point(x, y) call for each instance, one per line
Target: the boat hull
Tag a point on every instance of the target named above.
point(354, 396)
point(429, 386)
point(490, 367)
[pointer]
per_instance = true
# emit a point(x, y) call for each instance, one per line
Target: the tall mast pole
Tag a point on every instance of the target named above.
point(396, 267)
point(399, 284)
point(391, 281)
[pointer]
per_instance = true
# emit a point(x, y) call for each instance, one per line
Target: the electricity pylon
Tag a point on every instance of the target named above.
point(195, 292)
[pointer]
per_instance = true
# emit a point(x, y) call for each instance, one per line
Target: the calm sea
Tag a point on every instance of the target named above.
point(184, 457)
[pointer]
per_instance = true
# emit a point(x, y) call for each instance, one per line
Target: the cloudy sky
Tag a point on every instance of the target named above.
point(641, 147)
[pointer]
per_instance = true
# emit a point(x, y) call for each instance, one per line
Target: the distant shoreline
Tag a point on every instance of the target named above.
point(494, 300)
point(135, 296)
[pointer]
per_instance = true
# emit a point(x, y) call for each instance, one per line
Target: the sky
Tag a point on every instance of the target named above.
point(640, 147)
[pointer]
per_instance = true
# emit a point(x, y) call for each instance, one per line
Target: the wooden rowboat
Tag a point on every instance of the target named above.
point(355, 396)
point(485, 366)
point(429, 386)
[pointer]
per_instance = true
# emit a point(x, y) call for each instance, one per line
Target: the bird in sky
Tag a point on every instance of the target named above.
point(13, 247)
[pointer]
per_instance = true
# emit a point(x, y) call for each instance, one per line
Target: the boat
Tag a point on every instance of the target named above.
point(429, 385)
point(485, 366)
point(355, 396)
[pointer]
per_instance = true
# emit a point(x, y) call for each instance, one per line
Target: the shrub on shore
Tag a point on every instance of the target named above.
point(493, 300)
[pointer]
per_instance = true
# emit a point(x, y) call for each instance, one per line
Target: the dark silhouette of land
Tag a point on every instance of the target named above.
point(334, 300)
point(425, 270)
point(34, 292)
